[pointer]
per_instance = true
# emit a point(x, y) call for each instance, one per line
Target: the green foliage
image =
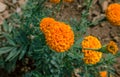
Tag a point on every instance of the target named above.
point(25, 40)
point(17, 32)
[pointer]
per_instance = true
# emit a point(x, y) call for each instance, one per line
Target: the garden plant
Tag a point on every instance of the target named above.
point(37, 44)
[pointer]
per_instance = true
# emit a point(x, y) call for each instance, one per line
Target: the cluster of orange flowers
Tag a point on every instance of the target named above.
point(91, 56)
point(58, 1)
point(92, 49)
point(59, 36)
point(113, 14)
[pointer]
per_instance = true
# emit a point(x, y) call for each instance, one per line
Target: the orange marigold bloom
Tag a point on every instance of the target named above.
point(68, 0)
point(112, 47)
point(91, 56)
point(90, 42)
point(59, 37)
point(103, 74)
point(45, 23)
point(113, 14)
point(55, 1)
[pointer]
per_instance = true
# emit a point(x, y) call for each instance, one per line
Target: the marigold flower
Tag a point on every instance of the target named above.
point(68, 1)
point(91, 56)
point(90, 42)
point(59, 37)
point(55, 1)
point(45, 23)
point(103, 74)
point(112, 47)
point(113, 14)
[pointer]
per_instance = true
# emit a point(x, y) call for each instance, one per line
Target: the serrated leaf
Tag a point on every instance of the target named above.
point(9, 39)
point(36, 75)
point(77, 43)
point(5, 50)
point(11, 54)
point(10, 28)
point(23, 52)
point(10, 66)
point(54, 63)
point(5, 26)
point(117, 54)
point(28, 74)
point(1, 62)
point(16, 54)
point(23, 38)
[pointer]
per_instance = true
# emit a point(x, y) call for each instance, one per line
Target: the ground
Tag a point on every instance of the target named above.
point(104, 30)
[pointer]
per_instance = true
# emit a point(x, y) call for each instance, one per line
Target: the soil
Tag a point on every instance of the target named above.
point(104, 31)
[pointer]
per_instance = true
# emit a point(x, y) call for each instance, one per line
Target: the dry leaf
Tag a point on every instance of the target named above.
point(2, 7)
point(6, 14)
point(104, 5)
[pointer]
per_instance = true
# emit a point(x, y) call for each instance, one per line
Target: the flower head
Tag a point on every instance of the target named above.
point(90, 42)
point(55, 1)
point(91, 56)
point(59, 36)
point(45, 23)
point(103, 74)
point(112, 47)
point(113, 14)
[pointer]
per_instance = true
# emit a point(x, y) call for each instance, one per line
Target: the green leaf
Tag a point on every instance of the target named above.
point(16, 53)
point(9, 39)
point(36, 75)
point(5, 26)
point(77, 43)
point(1, 36)
point(5, 50)
point(1, 62)
point(54, 63)
point(11, 54)
point(24, 37)
point(117, 54)
point(23, 52)
point(28, 74)
point(10, 66)
point(10, 28)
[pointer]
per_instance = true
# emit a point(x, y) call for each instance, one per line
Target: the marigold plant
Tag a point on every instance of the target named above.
point(113, 14)
point(103, 74)
point(112, 47)
point(32, 40)
point(91, 56)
